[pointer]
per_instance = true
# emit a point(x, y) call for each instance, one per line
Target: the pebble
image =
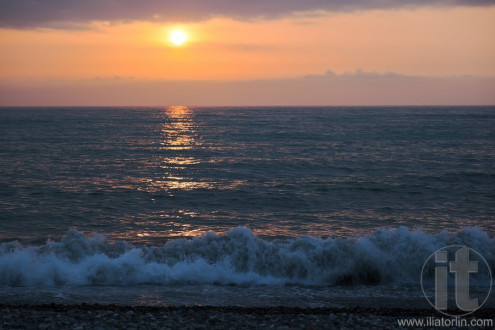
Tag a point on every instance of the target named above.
point(80, 317)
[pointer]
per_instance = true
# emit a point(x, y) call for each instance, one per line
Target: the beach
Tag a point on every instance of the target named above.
point(96, 316)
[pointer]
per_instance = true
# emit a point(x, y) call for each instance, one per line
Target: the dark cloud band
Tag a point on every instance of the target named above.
point(52, 13)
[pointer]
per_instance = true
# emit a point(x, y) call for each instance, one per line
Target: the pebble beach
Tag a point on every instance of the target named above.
point(84, 316)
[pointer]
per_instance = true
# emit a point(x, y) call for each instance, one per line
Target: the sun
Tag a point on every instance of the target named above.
point(178, 37)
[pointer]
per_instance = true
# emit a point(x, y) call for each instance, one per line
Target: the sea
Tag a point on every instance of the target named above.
point(243, 206)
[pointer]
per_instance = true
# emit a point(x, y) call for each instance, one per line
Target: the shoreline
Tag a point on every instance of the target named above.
point(96, 316)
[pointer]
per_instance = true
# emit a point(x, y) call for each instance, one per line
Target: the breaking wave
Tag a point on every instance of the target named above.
point(236, 257)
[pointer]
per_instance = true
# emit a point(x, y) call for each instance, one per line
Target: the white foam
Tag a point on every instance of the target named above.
point(236, 257)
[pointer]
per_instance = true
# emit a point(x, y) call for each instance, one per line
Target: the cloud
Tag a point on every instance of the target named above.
point(356, 88)
point(359, 74)
point(61, 13)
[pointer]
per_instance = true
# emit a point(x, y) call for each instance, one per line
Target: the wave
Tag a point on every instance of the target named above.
point(236, 257)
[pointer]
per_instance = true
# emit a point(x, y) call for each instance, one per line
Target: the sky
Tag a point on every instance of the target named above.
point(237, 52)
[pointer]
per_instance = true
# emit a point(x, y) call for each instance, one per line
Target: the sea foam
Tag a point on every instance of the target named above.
point(236, 257)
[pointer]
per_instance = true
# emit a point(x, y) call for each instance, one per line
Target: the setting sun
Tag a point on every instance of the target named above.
point(178, 37)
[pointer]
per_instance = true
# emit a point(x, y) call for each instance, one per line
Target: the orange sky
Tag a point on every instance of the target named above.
point(428, 42)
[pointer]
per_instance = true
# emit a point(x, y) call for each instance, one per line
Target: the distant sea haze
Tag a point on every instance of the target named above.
point(113, 196)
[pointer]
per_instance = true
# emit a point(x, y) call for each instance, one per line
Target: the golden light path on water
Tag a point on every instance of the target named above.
point(179, 140)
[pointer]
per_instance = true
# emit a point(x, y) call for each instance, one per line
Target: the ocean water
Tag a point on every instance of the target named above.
point(240, 206)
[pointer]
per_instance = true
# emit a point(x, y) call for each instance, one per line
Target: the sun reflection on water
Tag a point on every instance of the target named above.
point(179, 131)
point(179, 140)
point(176, 171)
